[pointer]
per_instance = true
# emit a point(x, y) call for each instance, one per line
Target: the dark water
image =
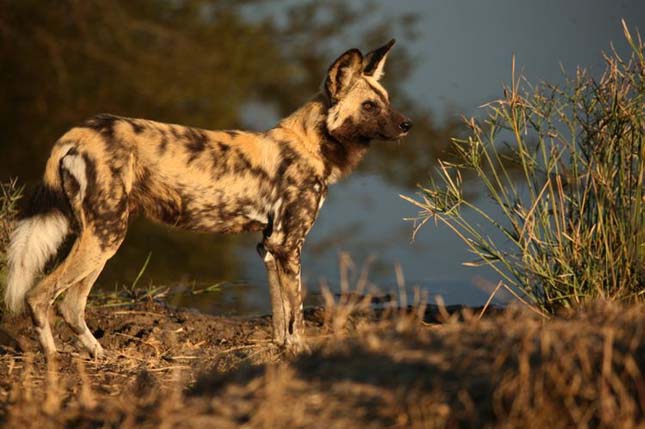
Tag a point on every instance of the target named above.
point(460, 57)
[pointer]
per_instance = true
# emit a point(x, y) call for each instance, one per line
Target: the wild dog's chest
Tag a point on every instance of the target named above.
point(291, 219)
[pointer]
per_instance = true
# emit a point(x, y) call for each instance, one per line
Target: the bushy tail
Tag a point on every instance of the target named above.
point(33, 243)
point(39, 234)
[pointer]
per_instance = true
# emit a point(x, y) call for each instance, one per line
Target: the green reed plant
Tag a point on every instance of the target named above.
point(564, 168)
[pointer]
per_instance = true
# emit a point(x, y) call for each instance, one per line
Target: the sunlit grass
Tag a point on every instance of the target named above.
point(565, 168)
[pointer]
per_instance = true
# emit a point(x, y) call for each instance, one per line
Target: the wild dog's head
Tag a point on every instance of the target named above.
point(359, 106)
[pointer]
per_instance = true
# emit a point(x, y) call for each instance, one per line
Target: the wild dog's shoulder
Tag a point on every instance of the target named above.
point(297, 160)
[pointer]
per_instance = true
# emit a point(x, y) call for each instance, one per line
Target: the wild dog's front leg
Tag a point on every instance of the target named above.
point(283, 241)
point(289, 277)
point(283, 273)
point(280, 307)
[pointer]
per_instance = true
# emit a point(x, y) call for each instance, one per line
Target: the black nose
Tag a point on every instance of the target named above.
point(405, 126)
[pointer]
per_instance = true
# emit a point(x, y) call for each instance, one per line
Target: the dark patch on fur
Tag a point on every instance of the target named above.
point(261, 250)
point(350, 132)
point(102, 123)
point(91, 186)
point(160, 207)
point(196, 142)
point(163, 143)
point(71, 187)
point(374, 58)
point(137, 128)
point(378, 93)
point(288, 157)
point(71, 151)
point(44, 200)
point(224, 148)
point(168, 211)
point(232, 133)
point(240, 164)
point(268, 230)
point(341, 154)
point(105, 207)
point(219, 153)
point(63, 250)
point(175, 132)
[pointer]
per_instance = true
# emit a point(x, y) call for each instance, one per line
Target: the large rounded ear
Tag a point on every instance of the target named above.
point(342, 74)
point(375, 60)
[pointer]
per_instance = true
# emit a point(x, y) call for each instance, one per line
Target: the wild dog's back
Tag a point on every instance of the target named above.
point(217, 181)
point(214, 181)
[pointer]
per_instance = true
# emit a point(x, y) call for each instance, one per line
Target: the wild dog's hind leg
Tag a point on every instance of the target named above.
point(83, 260)
point(72, 308)
point(91, 259)
point(98, 197)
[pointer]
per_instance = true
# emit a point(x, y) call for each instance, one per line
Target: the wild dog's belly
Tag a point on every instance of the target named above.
point(213, 181)
point(223, 214)
point(230, 204)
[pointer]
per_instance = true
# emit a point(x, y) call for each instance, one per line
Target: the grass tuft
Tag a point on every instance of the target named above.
point(564, 167)
point(10, 194)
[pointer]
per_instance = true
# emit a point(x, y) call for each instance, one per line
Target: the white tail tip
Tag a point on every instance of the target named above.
point(34, 241)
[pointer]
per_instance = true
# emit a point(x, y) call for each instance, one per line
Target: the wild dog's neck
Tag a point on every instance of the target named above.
point(309, 123)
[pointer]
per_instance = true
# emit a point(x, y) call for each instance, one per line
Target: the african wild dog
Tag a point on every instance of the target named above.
point(103, 171)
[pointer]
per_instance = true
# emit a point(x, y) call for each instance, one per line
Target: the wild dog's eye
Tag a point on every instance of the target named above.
point(369, 106)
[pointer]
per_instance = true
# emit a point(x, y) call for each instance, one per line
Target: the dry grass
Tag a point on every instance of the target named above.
point(513, 369)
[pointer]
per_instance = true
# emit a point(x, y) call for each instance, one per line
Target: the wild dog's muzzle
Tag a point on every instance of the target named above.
point(399, 125)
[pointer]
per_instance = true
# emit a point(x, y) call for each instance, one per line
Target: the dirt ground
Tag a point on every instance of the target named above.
point(177, 368)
